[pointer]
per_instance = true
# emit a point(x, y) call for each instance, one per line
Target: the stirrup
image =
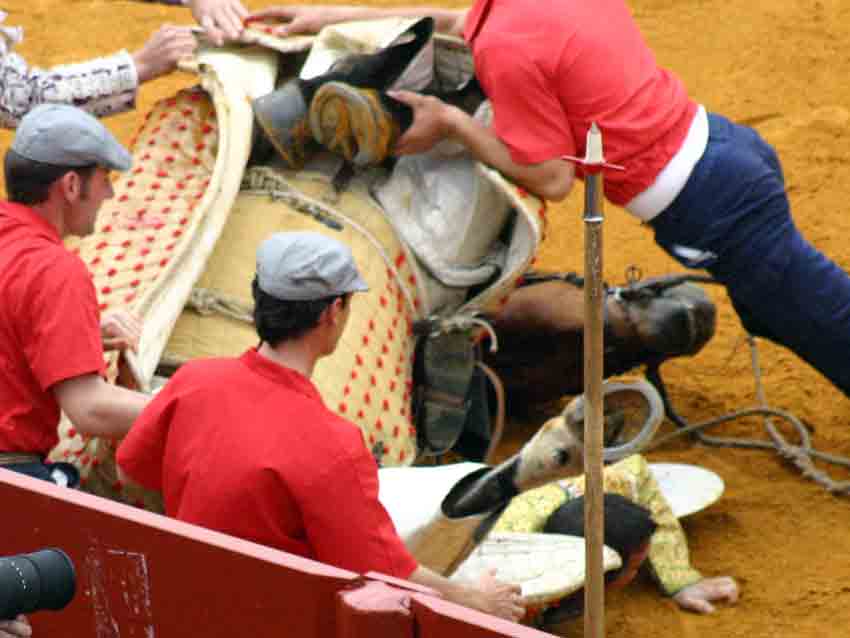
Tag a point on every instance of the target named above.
point(633, 411)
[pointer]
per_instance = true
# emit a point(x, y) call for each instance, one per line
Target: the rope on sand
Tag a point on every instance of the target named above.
point(800, 455)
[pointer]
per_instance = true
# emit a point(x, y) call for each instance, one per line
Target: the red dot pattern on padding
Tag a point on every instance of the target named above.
point(139, 229)
point(373, 365)
point(137, 234)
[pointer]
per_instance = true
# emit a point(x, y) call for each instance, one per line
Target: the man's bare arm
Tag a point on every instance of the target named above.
point(434, 120)
point(488, 595)
point(312, 18)
point(98, 408)
point(223, 19)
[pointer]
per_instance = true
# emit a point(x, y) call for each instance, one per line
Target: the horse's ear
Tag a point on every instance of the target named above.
point(633, 410)
point(573, 415)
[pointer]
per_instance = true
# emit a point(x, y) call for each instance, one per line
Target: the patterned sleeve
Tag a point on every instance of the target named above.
point(669, 558)
point(529, 511)
point(103, 86)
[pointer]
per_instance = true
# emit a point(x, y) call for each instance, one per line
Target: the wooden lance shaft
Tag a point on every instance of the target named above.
point(594, 592)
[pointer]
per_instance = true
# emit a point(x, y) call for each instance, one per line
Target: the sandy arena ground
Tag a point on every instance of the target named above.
point(780, 66)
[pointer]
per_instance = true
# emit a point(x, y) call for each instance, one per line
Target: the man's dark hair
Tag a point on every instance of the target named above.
point(278, 321)
point(628, 526)
point(28, 182)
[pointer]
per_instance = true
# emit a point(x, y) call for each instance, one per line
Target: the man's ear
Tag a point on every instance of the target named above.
point(70, 186)
point(330, 315)
point(335, 310)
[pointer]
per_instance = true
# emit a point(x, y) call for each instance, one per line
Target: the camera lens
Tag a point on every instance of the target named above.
point(32, 582)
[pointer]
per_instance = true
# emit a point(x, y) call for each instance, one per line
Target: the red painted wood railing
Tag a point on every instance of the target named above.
point(144, 575)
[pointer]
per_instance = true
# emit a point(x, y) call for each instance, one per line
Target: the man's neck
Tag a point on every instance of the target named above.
point(53, 215)
point(299, 355)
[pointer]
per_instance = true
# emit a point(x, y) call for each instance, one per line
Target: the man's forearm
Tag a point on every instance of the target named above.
point(550, 180)
point(98, 408)
point(117, 409)
point(448, 21)
point(314, 16)
point(460, 593)
point(489, 595)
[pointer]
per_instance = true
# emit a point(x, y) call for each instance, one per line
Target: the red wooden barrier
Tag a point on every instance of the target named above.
point(144, 575)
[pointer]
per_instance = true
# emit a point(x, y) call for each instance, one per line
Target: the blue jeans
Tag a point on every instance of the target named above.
point(63, 474)
point(733, 219)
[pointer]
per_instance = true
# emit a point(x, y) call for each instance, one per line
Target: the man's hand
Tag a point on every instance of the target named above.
point(699, 596)
point(222, 20)
point(163, 50)
point(120, 330)
point(431, 122)
point(17, 628)
point(500, 599)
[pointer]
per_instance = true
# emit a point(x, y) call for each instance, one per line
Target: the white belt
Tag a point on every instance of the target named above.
point(673, 177)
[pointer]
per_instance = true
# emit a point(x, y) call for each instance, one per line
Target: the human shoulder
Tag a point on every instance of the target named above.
point(339, 424)
point(213, 368)
point(525, 31)
point(197, 382)
point(46, 268)
point(342, 440)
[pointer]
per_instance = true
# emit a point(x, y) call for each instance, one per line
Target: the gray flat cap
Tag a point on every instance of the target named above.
point(64, 135)
point(302, 266)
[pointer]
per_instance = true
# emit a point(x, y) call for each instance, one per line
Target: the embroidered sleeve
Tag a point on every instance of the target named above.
point(103, 86)
point(669, 558)
point(529, 511)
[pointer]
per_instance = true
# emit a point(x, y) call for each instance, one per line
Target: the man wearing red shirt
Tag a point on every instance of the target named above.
point(51, 334)
point(246, 446)
point(712, 191)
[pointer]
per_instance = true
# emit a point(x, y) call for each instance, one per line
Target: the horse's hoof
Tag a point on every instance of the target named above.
point(353, 122)
point(282, 116)
point(671, 322)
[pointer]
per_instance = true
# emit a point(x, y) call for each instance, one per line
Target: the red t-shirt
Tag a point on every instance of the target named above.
point(552, 68)
point(246, 447)
point(49, 328)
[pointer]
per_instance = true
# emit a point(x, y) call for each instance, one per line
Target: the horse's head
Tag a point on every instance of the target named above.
point(554, 452)
point(669, 316)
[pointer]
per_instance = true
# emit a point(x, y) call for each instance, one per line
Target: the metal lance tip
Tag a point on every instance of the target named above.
point(593, 150)
point(593, 155)
point(593, 162)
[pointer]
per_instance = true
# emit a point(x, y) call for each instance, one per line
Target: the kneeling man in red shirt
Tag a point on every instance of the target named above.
point(246, 446)
point(52, 336)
